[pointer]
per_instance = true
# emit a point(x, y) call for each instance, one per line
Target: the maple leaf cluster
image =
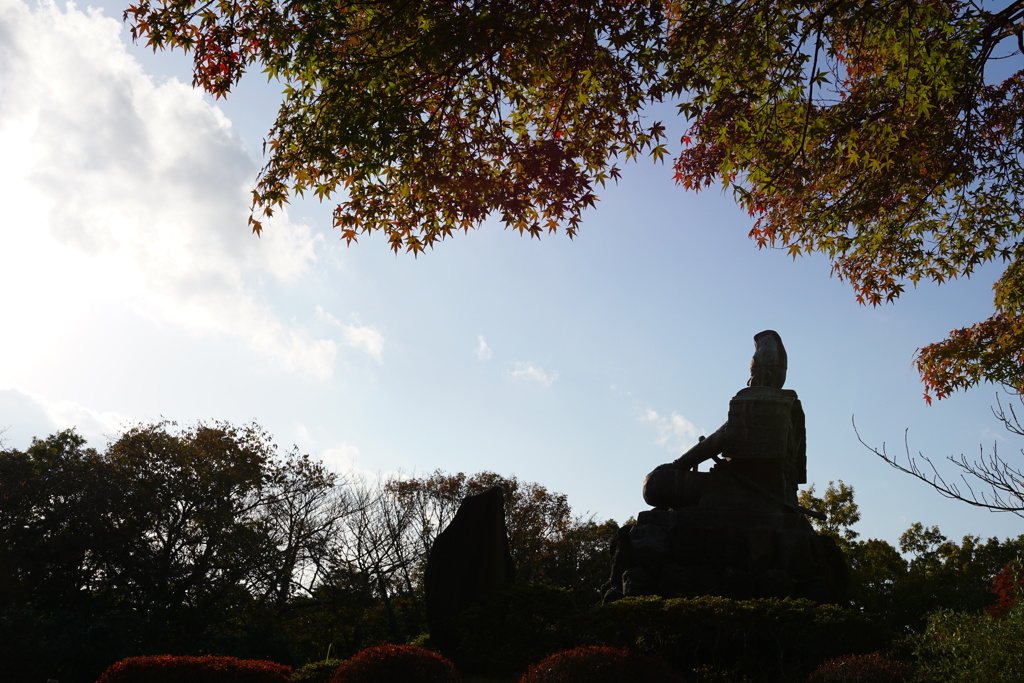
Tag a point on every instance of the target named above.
point(873, 133)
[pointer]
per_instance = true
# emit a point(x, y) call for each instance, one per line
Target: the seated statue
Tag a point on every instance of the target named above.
point(760, 452)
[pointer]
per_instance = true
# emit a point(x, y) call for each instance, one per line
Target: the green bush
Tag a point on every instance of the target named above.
point(316, 672)
point(757, 640)
point(175, 669)
point(599, 665)
point(514, 628)
point(396, 664)
point(764, 639)
point(872, 668)
point(964, 648)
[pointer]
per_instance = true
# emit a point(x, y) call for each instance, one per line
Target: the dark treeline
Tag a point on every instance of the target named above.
point(901, 586)
point(210, 539)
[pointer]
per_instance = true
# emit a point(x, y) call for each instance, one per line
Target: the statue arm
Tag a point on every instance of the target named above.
point(705, 449)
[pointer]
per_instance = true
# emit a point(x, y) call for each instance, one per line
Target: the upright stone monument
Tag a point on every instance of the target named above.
point(469, 561)
point(735, 530)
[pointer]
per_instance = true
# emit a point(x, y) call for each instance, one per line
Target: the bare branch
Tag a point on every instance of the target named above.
point(1010, 421)
point(1005, 483)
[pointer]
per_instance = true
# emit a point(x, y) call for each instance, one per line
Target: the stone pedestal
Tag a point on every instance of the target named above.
point(738, 554)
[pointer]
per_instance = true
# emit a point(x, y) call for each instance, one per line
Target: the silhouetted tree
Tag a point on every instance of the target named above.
point(169, 540)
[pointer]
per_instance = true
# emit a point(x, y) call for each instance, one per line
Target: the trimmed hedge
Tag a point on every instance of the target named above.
point(514, 628)
point(176, 669)
point(872, 668)
point(764, 639)
point(594, 664)
point(396, 664)
point(757, 640)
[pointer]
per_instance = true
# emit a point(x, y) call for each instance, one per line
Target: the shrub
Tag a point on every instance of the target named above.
point(1006, 586)
point(594, 664)
point(515, 627)
point(763, 639)
point(963, 648)
point(396, 664)
point(872, 668)
point(174, 669)
point(316, 672)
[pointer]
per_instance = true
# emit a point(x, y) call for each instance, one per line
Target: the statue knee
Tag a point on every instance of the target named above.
point(670, 487)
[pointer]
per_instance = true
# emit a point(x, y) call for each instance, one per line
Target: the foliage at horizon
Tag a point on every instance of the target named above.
point(202, 540)
point(884, 135)
point(166, 539)
point(900, 586)
point(184, 540)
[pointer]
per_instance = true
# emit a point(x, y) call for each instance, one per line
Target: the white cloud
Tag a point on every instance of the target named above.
point(675, 432)
point(346, 460)
point(363, 338)
point(132, 192)
point(343, 458)
point(326, 317)
point(989, 433)
point(286, 250)
point(483, 351)
point(615, 390)
point(528, 372)
point(26, 416)
point(302, 432)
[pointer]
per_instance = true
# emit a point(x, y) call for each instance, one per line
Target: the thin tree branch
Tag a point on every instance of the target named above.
point(1005, 482)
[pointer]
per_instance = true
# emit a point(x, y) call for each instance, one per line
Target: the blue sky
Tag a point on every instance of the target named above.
point(134, 291)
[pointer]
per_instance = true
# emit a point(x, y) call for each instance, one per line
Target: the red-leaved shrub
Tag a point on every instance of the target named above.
point(396, 664)
point(592, 664)
point(872, 668)
point(1006, 585)
point(175, 669)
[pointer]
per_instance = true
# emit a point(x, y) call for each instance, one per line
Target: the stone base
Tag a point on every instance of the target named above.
point(737, 553)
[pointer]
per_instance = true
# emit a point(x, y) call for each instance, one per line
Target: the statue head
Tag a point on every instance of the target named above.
point(768, 366)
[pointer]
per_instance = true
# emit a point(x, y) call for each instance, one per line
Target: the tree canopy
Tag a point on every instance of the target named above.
point(877, 133)
point(168, 539)
point(901, 585)
point(838, 512)
point(884, 134)
point(210, 537)
point(430, 116)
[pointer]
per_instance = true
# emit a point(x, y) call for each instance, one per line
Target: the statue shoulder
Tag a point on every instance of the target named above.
point(766, 392)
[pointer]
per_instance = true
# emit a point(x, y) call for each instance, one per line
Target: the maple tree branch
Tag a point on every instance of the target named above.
point(1007, 22)
point(810, 94)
